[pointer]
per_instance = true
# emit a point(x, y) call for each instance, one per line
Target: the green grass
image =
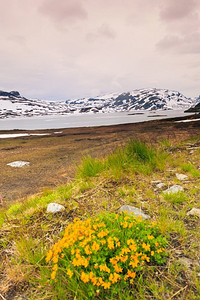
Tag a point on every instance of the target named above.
point(192, 169)
point(176, 198)
point(135, 157)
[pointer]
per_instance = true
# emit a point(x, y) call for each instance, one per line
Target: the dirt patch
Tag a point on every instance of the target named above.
point(53, 158)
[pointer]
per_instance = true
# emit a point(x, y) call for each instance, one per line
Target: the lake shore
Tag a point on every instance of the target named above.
point(53, 158)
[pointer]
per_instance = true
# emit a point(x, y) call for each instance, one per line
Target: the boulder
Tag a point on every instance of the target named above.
point(160, 185)
point(136, 211)
point(54, 208)
point(194, 212)
point(174, 189)
point(181, 176)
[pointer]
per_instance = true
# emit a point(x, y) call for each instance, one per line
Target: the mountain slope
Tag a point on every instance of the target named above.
point(143, 99)
point(195, 108)
point(12, 104)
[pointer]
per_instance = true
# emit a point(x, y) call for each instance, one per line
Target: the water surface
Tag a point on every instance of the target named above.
point(86, 120)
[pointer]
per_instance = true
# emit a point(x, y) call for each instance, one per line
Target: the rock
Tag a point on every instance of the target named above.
point(136, 211)
point(18, 164)
point(155, 181)
point(188, 263)
point(181, 176)
point(54, 208)
point(194, 212)
point(174, 189)
point(160, 185)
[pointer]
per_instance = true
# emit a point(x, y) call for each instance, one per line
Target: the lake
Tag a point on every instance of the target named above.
point(87, 120)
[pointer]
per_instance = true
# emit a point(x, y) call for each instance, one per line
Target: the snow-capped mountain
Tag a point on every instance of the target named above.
point(195, 108)
point(12, 104)
point(142, 99)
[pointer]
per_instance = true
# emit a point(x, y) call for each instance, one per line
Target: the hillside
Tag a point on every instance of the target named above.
point(12, 104)
point(195, 108)
point(138, 175)
point(142, 99)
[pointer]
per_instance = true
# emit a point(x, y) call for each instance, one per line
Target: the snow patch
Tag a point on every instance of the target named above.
point(14, 135)
point(19, 164)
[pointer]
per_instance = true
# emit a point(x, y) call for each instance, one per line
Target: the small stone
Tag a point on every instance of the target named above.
point(54, 208)
point(136, 211)
point(187, 262)
point(174, 189)
point(181, 176)
point(19, 164)
point(160, 185)
point(194, 212)
point(155, 181)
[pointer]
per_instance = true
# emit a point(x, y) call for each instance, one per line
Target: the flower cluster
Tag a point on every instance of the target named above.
point(106, 251)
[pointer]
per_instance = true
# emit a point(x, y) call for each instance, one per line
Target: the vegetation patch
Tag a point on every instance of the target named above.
point(102, 256)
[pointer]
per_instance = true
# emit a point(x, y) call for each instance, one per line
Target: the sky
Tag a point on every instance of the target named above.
point(64, 49)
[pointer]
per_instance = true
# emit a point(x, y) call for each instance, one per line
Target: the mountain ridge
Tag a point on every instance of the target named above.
point(12, 104)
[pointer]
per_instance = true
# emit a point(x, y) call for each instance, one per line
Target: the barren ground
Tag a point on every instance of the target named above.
point(53, 158)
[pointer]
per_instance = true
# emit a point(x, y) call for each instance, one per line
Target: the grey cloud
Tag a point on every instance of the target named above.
point(103, 31)
point(62, 10)
point(180, 44)
point(106, 31)
point(178, 9)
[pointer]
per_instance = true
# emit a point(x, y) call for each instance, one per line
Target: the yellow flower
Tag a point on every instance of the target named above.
point(110, 243)
point(49, 256)
point(152, 253)
point(106, 285)
point(95, 246)
point(69, 273)
point(55, 267)
point(130, 225)
point(125, 251)
point(124, 225)
point(118, 269)
point(55, 259)
point(131, 274)
point(103, 242)
point(156, 244)
point(101, 234)
point(104, 268)
point(53, 275)
point(114, 277)
point(118, 244)
point(150, 237)
point(87, 250)
point(123, 258)
point(146, 247)
point(84, 277)
point(159, 250)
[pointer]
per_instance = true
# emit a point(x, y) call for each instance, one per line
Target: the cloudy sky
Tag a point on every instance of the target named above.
point(60, 49)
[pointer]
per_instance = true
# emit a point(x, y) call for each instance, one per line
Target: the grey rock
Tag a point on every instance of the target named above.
point(54, 208)
point(160, 185)
point(136, 211)
point(181, 176)
point(174, 189)
point(155, 181)
point(188, 263)
point(194, 212)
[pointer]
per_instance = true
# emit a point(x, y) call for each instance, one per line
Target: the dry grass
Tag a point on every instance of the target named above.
point(29, 231)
